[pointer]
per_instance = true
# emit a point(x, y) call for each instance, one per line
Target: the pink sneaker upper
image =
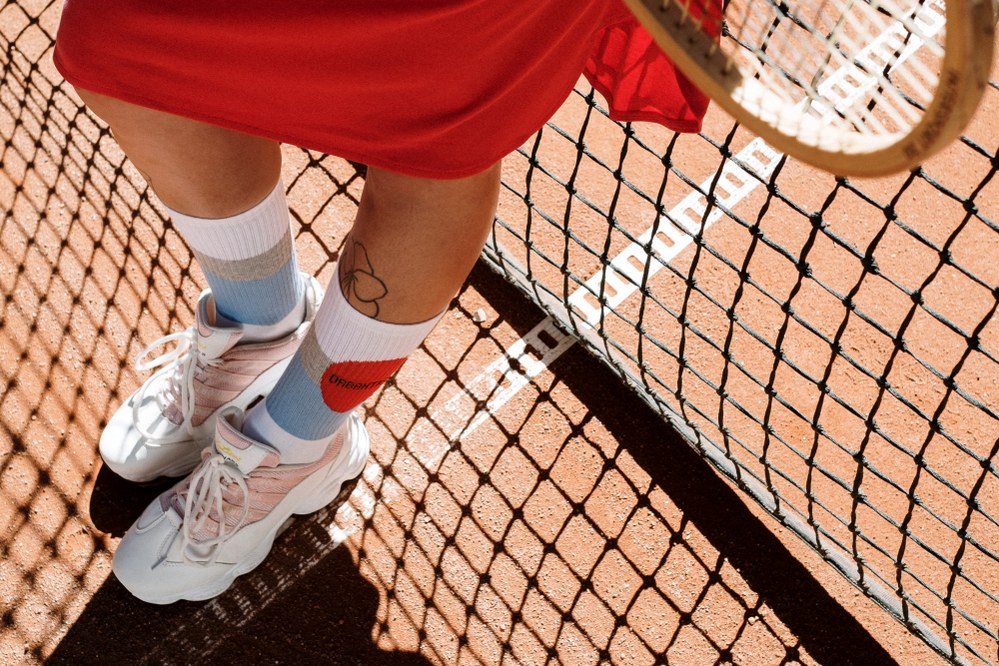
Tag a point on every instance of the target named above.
point(222, 370)
point(239, 479)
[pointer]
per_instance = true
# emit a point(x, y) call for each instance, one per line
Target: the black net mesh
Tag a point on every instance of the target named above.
point(830, 345)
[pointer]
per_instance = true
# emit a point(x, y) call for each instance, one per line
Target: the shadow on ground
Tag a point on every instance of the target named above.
point(281, 613)
point(823, 629)
point(310, 603)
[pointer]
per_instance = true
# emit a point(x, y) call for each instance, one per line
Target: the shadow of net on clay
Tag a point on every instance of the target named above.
point(830, 352)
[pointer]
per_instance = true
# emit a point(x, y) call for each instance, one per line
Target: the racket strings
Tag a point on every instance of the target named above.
point(846, 72)
point(877, 79)
point(869, 66)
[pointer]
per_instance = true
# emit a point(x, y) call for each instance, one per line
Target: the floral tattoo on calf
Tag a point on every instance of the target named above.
point(362, 288)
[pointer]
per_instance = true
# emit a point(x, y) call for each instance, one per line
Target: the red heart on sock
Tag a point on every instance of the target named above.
point(349, 383)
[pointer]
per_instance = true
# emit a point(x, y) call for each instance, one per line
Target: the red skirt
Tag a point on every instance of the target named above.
point(435, 88)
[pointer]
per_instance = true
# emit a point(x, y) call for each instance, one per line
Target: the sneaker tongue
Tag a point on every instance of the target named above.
point(243, 452)
point(213, 339)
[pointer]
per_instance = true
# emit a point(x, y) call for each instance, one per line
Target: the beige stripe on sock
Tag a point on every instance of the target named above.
point(253, 268)
point(313, 359)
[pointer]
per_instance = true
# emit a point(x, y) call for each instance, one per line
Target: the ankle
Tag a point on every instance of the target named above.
point(260, 426)
point(285, 326)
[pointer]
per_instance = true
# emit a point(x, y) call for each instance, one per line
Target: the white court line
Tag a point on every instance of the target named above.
point(676, 231)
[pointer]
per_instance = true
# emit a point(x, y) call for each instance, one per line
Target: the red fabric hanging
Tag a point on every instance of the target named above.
point(437, 88)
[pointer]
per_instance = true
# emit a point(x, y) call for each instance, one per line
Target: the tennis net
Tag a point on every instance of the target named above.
point(829, 345)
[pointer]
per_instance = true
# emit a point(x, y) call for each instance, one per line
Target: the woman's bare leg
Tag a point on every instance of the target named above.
point(412, 245)
point(414, 242)
point(197, 169)
point(222, 189)
point(421, 237)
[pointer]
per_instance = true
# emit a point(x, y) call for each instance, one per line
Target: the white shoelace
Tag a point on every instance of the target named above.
point(182, 364)
point(205, 492)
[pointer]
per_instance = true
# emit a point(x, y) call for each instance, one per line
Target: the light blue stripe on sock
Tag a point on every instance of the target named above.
point(296, 404)
point(259, 302)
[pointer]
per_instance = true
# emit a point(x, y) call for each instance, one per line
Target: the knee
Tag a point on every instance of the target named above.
point(106, 108)
point(121, 117)
point(194, 167)
point(472, 194)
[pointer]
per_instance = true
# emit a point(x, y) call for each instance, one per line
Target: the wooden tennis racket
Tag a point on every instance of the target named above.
point(854, 87)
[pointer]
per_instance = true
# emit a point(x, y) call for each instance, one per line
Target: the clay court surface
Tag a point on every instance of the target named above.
point(567, 523)
point(572, 523)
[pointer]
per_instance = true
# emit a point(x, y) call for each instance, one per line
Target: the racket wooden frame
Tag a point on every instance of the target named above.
point(966, 64)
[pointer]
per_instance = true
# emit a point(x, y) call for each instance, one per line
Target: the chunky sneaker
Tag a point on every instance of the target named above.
point(163, 427)
point(220, 522)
